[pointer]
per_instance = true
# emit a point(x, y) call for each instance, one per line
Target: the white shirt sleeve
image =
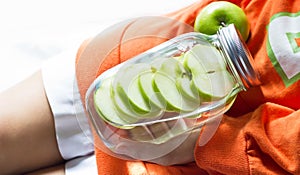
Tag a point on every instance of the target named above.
point(82, 165)
point(73, 134)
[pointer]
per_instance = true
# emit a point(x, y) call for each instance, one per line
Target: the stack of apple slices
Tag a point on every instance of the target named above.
point(148, 91)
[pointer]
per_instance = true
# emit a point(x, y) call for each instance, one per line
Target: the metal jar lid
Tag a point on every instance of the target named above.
point(239, 55)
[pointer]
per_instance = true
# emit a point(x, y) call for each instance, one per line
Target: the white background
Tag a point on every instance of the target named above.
point(33, 31)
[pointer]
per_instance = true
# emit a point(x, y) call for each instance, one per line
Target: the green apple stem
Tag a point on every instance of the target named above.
point(223, 24)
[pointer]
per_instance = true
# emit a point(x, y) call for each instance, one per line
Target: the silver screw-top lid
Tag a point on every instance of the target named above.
point(235, 48)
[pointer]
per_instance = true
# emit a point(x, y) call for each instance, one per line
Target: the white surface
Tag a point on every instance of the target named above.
point(32, 31)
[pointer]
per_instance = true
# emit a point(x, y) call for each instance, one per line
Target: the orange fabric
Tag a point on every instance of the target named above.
point(265, 141)
point(259, 135)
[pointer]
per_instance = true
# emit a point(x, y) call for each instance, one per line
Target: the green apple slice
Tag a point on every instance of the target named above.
point(122, 105)
point(125, 107)
point(174, 68)
point(166, 85)
point(136, 95)
point(203, 59)
point(169, 66)
point(155, 98)
point(187, 88)
point(127, 87)
point(128, 96)
point(213, 85)
point(106, 107)
point(180, 58)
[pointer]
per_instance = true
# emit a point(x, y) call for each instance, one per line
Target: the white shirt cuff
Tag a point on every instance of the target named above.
point(73, 133)
point(82, 165)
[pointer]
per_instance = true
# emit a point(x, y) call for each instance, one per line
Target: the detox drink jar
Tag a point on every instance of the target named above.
point(156, 103)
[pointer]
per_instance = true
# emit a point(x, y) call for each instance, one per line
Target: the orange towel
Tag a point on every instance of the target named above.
point(260, 134)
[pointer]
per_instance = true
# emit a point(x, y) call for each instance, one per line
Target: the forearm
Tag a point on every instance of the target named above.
point(27, 133)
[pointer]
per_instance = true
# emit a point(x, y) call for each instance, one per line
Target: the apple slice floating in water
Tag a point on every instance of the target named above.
point(128, 95)
point(165, 82)
point(203, 59)
point(166, 85)
point(214, 85)
point(145, 83)
point(209, 74)
point(106, 107)
point(169, 66)
point(127, 88)
point(188, 89)
point(173, 67)
point(142, 91)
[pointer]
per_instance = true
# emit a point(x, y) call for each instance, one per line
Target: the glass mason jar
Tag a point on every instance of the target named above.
point(158, 101)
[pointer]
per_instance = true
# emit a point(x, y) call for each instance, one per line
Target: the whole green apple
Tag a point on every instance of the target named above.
point(221, 13)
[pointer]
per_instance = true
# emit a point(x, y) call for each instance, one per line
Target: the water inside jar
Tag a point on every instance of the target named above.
point(164, 92)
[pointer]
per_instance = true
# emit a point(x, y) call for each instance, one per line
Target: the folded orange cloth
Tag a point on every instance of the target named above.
point(260, 134)
point(265, 141)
